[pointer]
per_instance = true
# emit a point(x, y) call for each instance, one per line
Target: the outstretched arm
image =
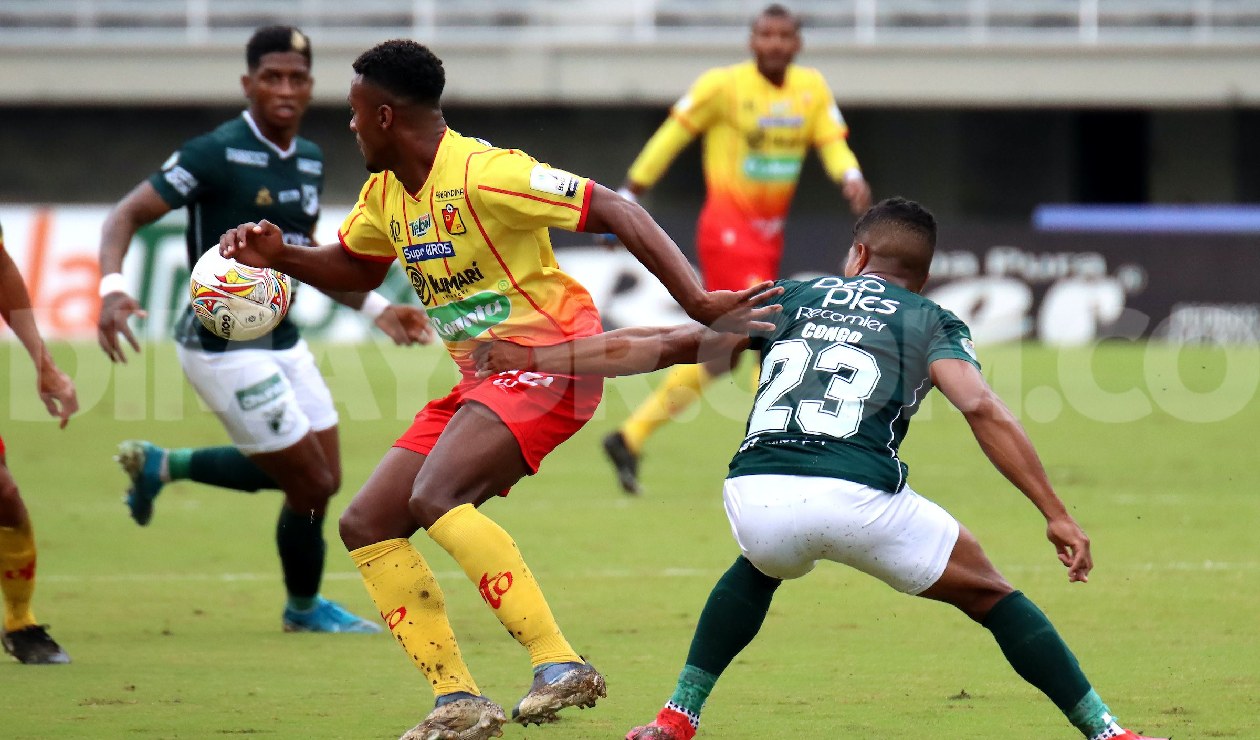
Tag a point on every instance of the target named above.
point(724, 310)
point(628, 351)
point(1006, 444)
point(326, 267)
point(142, 206)
point(55, 387)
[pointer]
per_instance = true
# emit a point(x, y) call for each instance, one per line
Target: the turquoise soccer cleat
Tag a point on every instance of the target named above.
point(327, 616)
point(142, 462)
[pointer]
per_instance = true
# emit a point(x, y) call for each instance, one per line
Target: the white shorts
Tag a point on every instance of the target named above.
point(266, 399)
point(784, 524)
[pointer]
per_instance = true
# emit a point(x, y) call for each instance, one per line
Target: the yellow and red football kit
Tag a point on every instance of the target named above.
point(756, 135)
point(474, 244)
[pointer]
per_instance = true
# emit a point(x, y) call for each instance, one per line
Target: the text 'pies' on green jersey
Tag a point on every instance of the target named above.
point(231, 176)
point(842, 372)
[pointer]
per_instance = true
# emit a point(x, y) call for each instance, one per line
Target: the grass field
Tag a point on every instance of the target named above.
point(175, 629)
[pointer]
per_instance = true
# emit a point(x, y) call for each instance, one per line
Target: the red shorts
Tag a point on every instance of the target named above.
point(1, 447)
point(734, 253)
point(540, 410)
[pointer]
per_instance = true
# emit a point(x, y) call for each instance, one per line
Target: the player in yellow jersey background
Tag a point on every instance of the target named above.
point(759, 119)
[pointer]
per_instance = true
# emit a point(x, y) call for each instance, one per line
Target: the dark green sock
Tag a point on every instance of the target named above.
point(300, 540)
point(225, 467)
point(730, 620)
point(1037, 653)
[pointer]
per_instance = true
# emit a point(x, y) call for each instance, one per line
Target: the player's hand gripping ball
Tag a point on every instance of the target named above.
point(236, 301)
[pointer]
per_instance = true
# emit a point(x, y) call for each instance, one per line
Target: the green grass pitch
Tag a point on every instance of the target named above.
point(175, 629)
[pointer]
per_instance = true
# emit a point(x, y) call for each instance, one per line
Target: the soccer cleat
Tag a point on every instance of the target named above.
point(557, 686)
point(326, 616)
point(474, 718)
point(142, 462)
point(624, 460)
point(34, 646)
point(668, 725)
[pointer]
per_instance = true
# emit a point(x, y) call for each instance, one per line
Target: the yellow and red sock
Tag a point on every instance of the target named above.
point(681, 387)
point(411, 603)
point(493, 562)
point(17, 575)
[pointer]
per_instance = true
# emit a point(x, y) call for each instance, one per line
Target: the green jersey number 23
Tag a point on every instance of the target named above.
point(850, 374)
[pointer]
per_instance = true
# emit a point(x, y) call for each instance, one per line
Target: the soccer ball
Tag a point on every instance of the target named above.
point(236, 301)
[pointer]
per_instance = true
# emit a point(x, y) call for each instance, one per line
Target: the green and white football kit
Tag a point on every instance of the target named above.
point(268, 393)
point(818, 475)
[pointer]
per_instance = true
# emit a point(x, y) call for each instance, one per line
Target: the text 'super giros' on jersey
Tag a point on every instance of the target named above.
point(842, 372)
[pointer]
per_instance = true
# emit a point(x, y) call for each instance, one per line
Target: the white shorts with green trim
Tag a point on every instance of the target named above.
point(266, 399)
point(785, 524)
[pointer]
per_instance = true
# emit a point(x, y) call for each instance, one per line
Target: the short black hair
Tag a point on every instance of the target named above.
point(271, 39)
point(901, 232)
point(901, 213)
point(775, 10)
point(405, 69)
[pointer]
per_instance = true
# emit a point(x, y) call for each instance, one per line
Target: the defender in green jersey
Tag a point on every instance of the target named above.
point(268, 393)
point(818, 476)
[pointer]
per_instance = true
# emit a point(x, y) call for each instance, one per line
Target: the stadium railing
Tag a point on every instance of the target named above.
point(874, 22)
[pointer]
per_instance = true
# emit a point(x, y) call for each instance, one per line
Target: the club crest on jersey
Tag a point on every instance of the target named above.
point(546, 179)
point(263, 198)
point(395, 230)
point(310, 200)
point(420, 226)
point(452, 220)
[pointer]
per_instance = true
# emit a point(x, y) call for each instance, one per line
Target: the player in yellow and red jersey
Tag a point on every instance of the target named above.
point(758, 119)
point(25, 638)
point(468, 222)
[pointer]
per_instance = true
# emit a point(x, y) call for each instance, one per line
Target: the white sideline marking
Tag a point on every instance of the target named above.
point(1199, 566)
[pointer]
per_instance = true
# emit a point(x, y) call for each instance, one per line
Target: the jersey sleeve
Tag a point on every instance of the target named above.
point(361, 233)
point(829, 134)
point(693, 114)
point(951, 340)
point(521, 193)
point(196, 167)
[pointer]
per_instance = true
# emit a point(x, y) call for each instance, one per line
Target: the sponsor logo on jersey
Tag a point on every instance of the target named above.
point(395, 230)
point(470, 317)
point(857, 294)
point(420, 226)
point(493, 588)
point(431, 251)
point(263, 392)
point(781, 121)
point(263, 198)
point(969, 347)
point(430, 288)
point(289, 196)
point(764, 168)
point(448, 194)
point(451, 219)
point(246, 157)
point(310, 166)
point(310, 200)
point(180, 179)
point(821, 314)
point(546, 179)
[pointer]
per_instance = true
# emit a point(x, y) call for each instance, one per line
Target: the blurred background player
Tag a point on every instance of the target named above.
point(759, 119)
point(268, 393)
point(818, 476)
point(469, 223)
point(24, 638)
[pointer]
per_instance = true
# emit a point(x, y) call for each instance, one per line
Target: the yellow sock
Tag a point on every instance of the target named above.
point(678, 391)
point(492, 561)
point(17, 575)
point(410, 601)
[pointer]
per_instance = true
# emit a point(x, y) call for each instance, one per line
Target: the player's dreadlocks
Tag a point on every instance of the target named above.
point(270, 39)
point(405, 69)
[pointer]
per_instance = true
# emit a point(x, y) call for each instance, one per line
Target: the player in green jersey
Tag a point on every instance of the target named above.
point(268, 393)
point(818, 475)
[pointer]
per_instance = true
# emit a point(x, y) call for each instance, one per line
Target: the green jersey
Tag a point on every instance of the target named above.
point(228, 177)
point(842, 372)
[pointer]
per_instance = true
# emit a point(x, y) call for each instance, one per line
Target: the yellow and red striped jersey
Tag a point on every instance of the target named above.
point(756, 135)
point(474, 243)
